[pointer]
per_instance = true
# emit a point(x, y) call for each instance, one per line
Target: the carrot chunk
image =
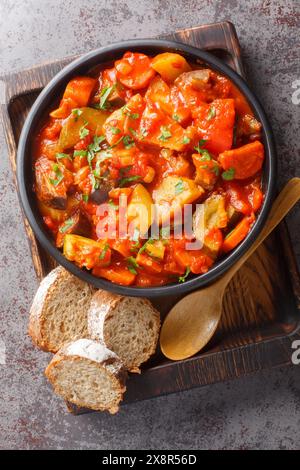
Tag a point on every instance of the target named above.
point(117, 274)
point(245, 161)
point(237, 234)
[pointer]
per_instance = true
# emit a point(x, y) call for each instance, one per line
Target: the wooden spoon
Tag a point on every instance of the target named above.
point(191, 323)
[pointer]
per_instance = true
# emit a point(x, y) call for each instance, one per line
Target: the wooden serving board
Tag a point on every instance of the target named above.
point(261, 315)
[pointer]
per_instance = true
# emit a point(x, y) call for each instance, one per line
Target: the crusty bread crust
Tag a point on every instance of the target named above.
point(38, 311)
point(93, 352)
point(102, 307)
point(35, 327)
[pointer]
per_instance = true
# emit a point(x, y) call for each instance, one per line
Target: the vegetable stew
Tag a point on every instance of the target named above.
point(150, 171)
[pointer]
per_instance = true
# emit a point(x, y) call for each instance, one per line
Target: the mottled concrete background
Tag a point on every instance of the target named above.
point(261, 411)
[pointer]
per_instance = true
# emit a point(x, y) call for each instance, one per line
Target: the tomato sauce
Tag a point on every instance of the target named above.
point(149, 131)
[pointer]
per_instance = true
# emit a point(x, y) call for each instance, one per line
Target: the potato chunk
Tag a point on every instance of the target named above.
point(86, 252)
point(173, 193)
point(156, 249)
point(208, 219)
point(170, 65)
point(140, 211)
point(168, 99)
point(92, 119)
point(215, 215)
point(124, 120)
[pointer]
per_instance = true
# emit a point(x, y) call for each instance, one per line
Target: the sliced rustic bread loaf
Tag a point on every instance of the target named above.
point(86, 373)
point(129, 326)
point(59, 310)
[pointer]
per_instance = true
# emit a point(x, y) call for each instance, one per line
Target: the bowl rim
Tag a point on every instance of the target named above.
point(39, 106)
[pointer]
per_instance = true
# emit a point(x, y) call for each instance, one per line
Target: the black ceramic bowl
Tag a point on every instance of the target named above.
point(51, 93)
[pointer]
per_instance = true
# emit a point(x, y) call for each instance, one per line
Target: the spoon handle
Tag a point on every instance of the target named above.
point(286, 199)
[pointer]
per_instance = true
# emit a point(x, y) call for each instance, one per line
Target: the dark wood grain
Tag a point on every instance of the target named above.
point(261, 307)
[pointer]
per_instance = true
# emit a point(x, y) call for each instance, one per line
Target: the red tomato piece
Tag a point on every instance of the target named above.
point(237, 197)
point(255, 196)
point(52, 130)
point(196, 260)
point(215, 123)
point(134, 70)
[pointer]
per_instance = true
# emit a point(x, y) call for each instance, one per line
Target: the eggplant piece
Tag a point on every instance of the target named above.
point(77, 224)
point(52, 182)
point(58, 203)
point(248, 129)
point(100, 195)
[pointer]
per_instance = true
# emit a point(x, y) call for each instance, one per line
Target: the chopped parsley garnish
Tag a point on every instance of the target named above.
point(175, 117)
point(95, 145)
point(83, 131)
point(115, 130)
point(179, 187)
point(104, 251)
point(97, 169)
point(150, 241)
point(67, 224)
point(133, 132)
point(205, 156)
point(76, 112)
point(143, 132)
point(128, 179)
point(104, 95)
point(132, 264)
point(165, 133)
point(183, 278)
point(186, 140)
point(93, 148)
point(228, 174)
point(95, 182)
point(85, 197)
point(128, 142)
point(59, 156)
point(199, 148)
point(80, 153)
point(216, 170)
point(59, 175)
point(128, 113)
point(90, 158)
point(211, 113)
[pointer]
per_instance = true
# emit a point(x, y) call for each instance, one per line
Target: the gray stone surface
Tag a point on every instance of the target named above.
point(262, 411)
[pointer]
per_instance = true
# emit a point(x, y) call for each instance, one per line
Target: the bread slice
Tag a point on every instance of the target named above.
point(59, 310)
point(86, 373)
point(129, 326)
